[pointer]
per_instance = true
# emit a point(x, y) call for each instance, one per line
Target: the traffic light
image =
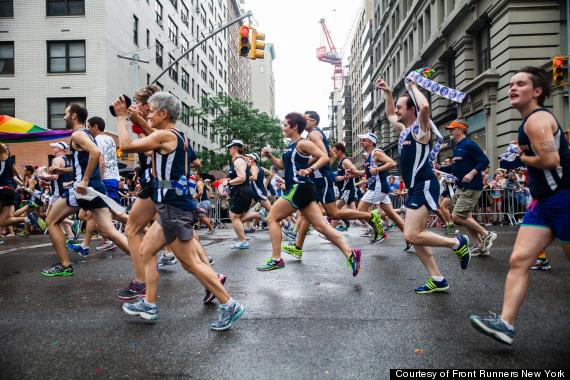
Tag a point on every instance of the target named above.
point(559, 66)
point(257, 45)
point(244, 45)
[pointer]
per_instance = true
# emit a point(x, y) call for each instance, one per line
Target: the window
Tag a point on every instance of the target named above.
point(158, 53)
point(6, 57)
point(211, 55)
point(8, 107)
point(427, 18)
point(203, 46)
point(420, 33)
point(173, 72)
point(136, 30)
point(175, 3)
point(147, 38)
point(204, 129)
point(484, 49)
point(212, 86)
point(184, 43)
point(172, 31)
point(451, 72)
point(193, 85)
point(6, 8)
point(203, 15)
point(184, 14)
point(65, 7)
point(185, 115)
point(204, 72)
point(66, 56)
point(185, 81)
point(56, 110)
point(158, 13)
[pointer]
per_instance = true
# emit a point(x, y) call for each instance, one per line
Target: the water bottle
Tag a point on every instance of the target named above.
point(182, 186)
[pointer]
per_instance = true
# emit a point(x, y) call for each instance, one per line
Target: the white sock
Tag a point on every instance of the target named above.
point(148, 303)
point(438, 278)
point(508, 324)
point(229, 304)
point(457, 244)
point(84, 246)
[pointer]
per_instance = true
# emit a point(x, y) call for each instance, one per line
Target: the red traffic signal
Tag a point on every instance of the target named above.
point(244, 45)
point(559, 66)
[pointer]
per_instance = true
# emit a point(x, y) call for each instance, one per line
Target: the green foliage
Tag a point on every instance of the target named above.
point(234, 119)
point(212, 160)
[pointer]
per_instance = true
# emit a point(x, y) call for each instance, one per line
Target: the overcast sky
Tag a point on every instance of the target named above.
point(301, 81)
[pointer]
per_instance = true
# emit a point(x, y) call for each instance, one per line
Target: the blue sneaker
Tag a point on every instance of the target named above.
point(341, 228)
point(240, 245)
point(290, 234)
point(463, 252)
point(433, 286)
point(78, 248)
point(494, 327)
point(228, 315)
point(142, 309)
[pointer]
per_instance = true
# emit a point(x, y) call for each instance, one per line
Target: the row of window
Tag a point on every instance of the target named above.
point(62, 57)
point(55, 107)
point(53, 8)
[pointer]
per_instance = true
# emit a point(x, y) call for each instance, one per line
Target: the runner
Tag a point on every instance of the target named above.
point(175, 206)
point(204, 204)
point(85, 159)
point(544, 150)
point(416, 168)
point(345, 183)
point(257, 181)
point(469, 162)
point(323, 180)
point(240, 193)
point(300, 193)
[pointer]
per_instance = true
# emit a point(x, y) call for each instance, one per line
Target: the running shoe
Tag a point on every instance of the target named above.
point(463, 252)
point(76, 228)
point(448, 229)
point(71, 241)
point(78, 248)
point(353, 261)
point(390, 227)
point(131, 292)
point(494, 327)
point(271, 264)
point(433, 286)
point(142, 309)
point(228, 315)
point(311, 229)
point(366, 233)
point(240, 245)
point(379, 238)
point(488, 240)
point(476, 251)
point(23, 234)
point(58, 270)
point(341, 228)
point(292, 249)
point(346, 223)
point(42, 224)
point(290, 234)
point(210, 297)
point(211, 260)
point(541, 264)
point(104, 246)
point(409, 248)
point(166, 259)
point(376, 223)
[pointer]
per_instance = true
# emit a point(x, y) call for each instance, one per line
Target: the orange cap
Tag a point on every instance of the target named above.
point(457, 124)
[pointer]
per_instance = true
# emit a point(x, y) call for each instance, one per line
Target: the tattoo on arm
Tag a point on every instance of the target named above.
point(548, 147)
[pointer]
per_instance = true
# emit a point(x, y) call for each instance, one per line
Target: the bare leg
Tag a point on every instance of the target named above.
point(238, 225)
point(389, 210)
point(152, 243)
point(312, 216)
point(142, 213)
point(104, 222)
point(280, 210)
point(415, 227)
point(59, 212)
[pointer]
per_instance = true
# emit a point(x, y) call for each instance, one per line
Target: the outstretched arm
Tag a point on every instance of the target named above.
point(390, 109)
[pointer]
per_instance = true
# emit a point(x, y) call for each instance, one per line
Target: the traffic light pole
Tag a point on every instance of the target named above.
point(224, 27)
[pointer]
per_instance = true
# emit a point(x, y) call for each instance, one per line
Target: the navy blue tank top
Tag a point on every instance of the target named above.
point(170, 167)
point(293, 161)
point(543, 182)
point(145, 164)
point(326, 169)
point(348, 183)
point(415, 165)
point(79, 161)
point(233, 174)
point(6, 176)
point(57, 185)
point(258, 186)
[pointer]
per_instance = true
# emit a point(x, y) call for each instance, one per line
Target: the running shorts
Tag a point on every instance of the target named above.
point(424, 193)
point(300, 195)
point(551, 213)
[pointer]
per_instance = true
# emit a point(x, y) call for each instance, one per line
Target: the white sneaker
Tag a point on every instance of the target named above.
point(488, 240)
point(240, 245)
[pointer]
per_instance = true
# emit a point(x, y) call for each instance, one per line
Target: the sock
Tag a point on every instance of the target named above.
point(457, 244)
point(148, 303)
point(297, 246)
point(229, 304)
point(139, 285)
point(84, 246)
point(508, 324)
point(438, 278)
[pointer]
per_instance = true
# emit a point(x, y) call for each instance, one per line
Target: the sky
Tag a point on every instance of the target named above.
point(301, 81)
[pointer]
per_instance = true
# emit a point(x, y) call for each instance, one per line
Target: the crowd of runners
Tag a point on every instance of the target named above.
point(312, 185)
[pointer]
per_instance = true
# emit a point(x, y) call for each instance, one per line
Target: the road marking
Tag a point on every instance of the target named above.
point(24, 248)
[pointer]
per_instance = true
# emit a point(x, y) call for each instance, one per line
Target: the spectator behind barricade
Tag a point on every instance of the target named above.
point(497, 187)
point(402, 186)
point(392, 185)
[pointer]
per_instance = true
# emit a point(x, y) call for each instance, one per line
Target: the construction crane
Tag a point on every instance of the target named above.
point(327, 53)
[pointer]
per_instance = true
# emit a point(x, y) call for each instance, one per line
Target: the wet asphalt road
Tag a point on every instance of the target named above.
point(311, 320)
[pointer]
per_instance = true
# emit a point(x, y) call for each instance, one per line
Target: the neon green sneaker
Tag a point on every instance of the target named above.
point(292, 249)
point(42, 224)
point(376, 223)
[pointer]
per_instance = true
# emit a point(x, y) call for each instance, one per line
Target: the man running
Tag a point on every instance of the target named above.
point(300, 193)
point(469, 162)
point(324, 185)
point(544, 150)
point(416, 168)
point(85, 168)
point(175, 206)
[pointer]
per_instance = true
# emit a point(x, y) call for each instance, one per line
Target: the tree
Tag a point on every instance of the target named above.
point(234, 119)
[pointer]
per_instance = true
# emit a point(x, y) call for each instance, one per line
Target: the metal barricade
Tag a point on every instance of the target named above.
point(494, 207)
point(217, 211)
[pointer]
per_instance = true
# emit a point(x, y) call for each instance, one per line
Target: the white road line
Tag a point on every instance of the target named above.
point(25, 248)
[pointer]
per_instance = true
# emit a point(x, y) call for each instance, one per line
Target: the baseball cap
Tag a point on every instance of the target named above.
point(233, 143)
point(457, 124)
point(370, 136)
point(60, 144)
point(313, 115)
point(255, 156)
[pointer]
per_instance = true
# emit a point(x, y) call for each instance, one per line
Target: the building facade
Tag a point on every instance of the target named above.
point(73, 53)
point(263, 81)
point(475, 46)
point(239, 73)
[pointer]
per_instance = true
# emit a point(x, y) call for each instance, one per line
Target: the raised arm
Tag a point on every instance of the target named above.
point(390, 109)
point(423, 107)
point(277, 162)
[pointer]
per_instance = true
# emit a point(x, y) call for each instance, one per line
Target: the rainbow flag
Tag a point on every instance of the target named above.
point(14, 130)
